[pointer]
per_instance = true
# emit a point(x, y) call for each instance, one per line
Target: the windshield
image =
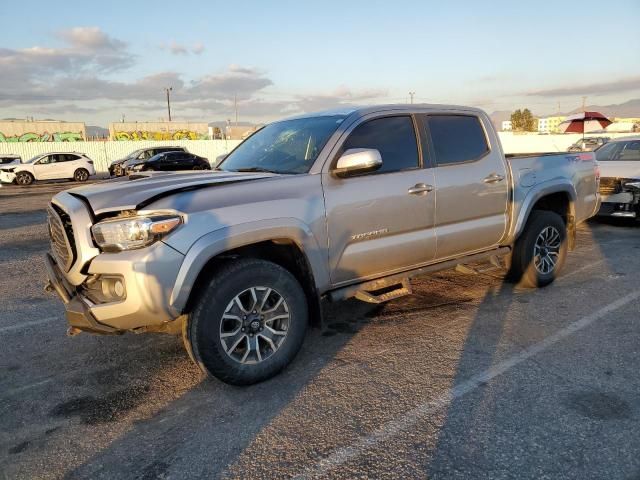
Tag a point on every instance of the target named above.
point(134, 154)
point(33, 159)
point(290, 146)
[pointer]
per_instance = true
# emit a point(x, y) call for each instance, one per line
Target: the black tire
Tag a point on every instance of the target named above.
point(523, 270)
point(24, 178)
point(205, 323)
point(81, 175)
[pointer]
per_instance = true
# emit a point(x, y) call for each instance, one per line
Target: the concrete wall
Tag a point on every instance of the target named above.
point(137, 131)
point(39, 131)
point(103, 153)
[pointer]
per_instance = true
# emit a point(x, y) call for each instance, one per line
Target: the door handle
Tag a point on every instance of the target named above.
point(420, 189)
point(493, 178)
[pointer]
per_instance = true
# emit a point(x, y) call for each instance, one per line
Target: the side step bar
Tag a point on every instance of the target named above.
point(367, 289)
point(385, 294)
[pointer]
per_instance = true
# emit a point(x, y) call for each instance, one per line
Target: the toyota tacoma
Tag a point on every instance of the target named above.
point(332, 205)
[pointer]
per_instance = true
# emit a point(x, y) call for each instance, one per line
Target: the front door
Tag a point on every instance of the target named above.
point(380, 223)
point(46, 167)
point(472, 191)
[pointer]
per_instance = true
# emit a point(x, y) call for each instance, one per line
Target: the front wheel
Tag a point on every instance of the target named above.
point(540, 252)
point(24, 178)
point(249, 322)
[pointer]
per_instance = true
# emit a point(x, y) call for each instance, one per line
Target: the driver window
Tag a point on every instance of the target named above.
point(393, 137)
point(47, 160)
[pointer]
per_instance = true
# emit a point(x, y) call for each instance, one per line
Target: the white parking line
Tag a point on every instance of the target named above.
point(33, 323)
point(398, 425)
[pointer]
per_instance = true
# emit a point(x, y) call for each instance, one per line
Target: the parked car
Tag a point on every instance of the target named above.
point(169, 161)
point(49, 166)
point(9, 159)
point(619, 162)
point(350, 203)
point(588, 144)
point(119, 167)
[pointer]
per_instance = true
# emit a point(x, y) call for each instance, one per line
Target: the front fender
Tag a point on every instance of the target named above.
point(231, 237)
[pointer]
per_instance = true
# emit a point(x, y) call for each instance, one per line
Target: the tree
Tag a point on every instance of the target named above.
point(523, 121)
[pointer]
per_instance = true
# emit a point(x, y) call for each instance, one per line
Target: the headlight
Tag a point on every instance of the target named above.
point(8, 170)
point(133, 232)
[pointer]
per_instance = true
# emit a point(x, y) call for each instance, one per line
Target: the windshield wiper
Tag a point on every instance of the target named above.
point(256, 169)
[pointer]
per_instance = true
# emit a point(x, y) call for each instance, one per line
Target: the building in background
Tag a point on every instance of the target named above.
point(41, 131)
point(507, 126)
point(159, 131)
point(550, 124)
point(233, 132)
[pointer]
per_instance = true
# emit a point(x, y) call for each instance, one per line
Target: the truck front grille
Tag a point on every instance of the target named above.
point(610, 186)
point(63, 244)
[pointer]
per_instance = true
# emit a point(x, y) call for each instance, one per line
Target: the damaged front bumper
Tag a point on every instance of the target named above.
point(78, 314)
point(620, 198)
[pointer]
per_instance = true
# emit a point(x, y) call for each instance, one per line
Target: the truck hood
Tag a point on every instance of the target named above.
point(137, 191)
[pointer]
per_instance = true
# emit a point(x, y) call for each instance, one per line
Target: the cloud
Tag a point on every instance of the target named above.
point(178, 49)
point(79, 78)
point(341, 96)
point(240, 81)
point(614, 86)
point(197, 48)
point(90, 38)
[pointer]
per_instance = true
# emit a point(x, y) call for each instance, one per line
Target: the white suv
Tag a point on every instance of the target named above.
point(49, 166)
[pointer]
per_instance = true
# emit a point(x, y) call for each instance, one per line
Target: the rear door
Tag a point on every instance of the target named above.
point(378, 223)
point(471, 184)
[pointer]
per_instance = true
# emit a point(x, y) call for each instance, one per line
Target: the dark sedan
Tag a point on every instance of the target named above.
point(170, 161)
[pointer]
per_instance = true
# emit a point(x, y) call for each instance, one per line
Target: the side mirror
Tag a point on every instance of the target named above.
point(219, 160)
point(357, 161)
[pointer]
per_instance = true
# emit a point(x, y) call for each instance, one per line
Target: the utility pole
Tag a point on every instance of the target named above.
point(411, 94)
point(584, 103)
point(169, 89)
point(235, 106)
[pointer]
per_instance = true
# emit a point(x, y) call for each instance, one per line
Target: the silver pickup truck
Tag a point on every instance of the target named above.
point(339, 204)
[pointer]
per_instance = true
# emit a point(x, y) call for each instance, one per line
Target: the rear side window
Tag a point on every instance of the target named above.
point(457, 138)
point(630, 152)
point(69, 157)
point(608, 152)
point(393, 137)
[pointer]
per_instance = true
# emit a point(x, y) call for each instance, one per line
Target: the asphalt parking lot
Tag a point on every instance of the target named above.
point(467, 378)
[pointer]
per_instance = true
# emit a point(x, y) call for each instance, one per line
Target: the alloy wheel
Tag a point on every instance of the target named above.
point(546, 250)
point(254, 325)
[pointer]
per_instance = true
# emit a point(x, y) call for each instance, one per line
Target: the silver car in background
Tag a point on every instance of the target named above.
point(619, 162)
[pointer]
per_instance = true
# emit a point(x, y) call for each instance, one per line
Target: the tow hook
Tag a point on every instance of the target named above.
point(48, 287)
point(73, 331)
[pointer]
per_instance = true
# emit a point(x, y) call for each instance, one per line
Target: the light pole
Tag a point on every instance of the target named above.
point(169, 89)
point(411, 94)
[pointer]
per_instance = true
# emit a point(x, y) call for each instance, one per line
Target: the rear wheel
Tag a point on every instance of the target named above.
point(24, 178)
point(81, 175)
point(249, 322)
point(540, 252)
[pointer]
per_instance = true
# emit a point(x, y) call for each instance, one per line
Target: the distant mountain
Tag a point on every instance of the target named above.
point(95, 131)
point(498, 117)
point(626, 109)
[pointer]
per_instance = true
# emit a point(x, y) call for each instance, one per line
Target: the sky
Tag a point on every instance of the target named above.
point(80, 62)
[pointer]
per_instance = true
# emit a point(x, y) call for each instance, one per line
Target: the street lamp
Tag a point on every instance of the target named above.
point(169, 89)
